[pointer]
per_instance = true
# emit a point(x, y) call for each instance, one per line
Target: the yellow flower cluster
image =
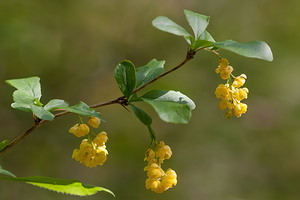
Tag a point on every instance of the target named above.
point(158, 180)
point(231, 93)
point(80, 130)
point(92, 153)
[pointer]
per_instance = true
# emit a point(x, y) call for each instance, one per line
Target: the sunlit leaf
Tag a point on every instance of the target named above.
point(28, 91)
point(254, 49)
point(165, 24)
point(3, 144)
point(83, 109)
point(55, 104)
point(171, 106)
point(169, 96)
point(41, 113)
point(197, 21)
point(170, 111)
point(30, 86)
point(73, 187)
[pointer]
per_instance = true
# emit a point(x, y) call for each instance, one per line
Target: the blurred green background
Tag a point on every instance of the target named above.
point(75, 45)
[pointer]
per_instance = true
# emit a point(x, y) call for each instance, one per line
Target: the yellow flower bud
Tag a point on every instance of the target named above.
point(224, 69)
point(239, 109)
point(223, 104)
point(164, 153)
point(222, 92)
point(94, 122)
point(154, 171)
point(101, 139)
point(152, 183)
point(239, 81)
point(149, 155)
point(228, 114)
point(80, 130)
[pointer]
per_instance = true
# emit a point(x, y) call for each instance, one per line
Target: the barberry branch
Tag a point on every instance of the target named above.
point(120, 100)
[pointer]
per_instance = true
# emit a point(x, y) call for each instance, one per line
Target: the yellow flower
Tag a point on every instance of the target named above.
point(90, 154)
point(224, 69)
point(94, 122)
point(223, 104)
point(222, 92)
point(239, 109)
point(101, 139)
point(169, 180)
point(164, 152)
point(154, 171)
point(152, 183)
point(241, 94)
point(158, 180)
point(228, 114)
point(79, 130)
point(149, 155)
point(239, 81)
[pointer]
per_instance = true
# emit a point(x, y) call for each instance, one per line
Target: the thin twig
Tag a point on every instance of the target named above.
point(190, 55)
point(18, 139)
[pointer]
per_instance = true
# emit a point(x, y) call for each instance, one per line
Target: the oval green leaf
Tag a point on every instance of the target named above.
point(31, 86)
point(169, 96)
point(83, 109)
point(65, 186)
point(41, 113)
point(165, 24)
point(254, 49)
point(28, 91)
point(197, 21)
point(171, 112)
point(141, 115)
point(55, 104)
point(125, 76)
point(148, 72)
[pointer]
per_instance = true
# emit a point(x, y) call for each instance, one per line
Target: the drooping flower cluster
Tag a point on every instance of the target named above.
point(92, 152)
point(158, 180)
point(231, 93)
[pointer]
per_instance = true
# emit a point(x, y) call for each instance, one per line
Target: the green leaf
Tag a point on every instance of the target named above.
point(21, 106)
point(165, 24)
point(148, 72)
point(171, 106)
point(254, 49)
point(55, 104)
point(125, 77)
point(73, 187)
point(31, 86)
point(142, 115)
point(169, 96)
point(3, 144)
point(201, 44)
point(83, 109)
point(28, 92)
point(41, 113)
point(206, 36)
point(5, 172)
point(197, 21)
point(170, 111)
